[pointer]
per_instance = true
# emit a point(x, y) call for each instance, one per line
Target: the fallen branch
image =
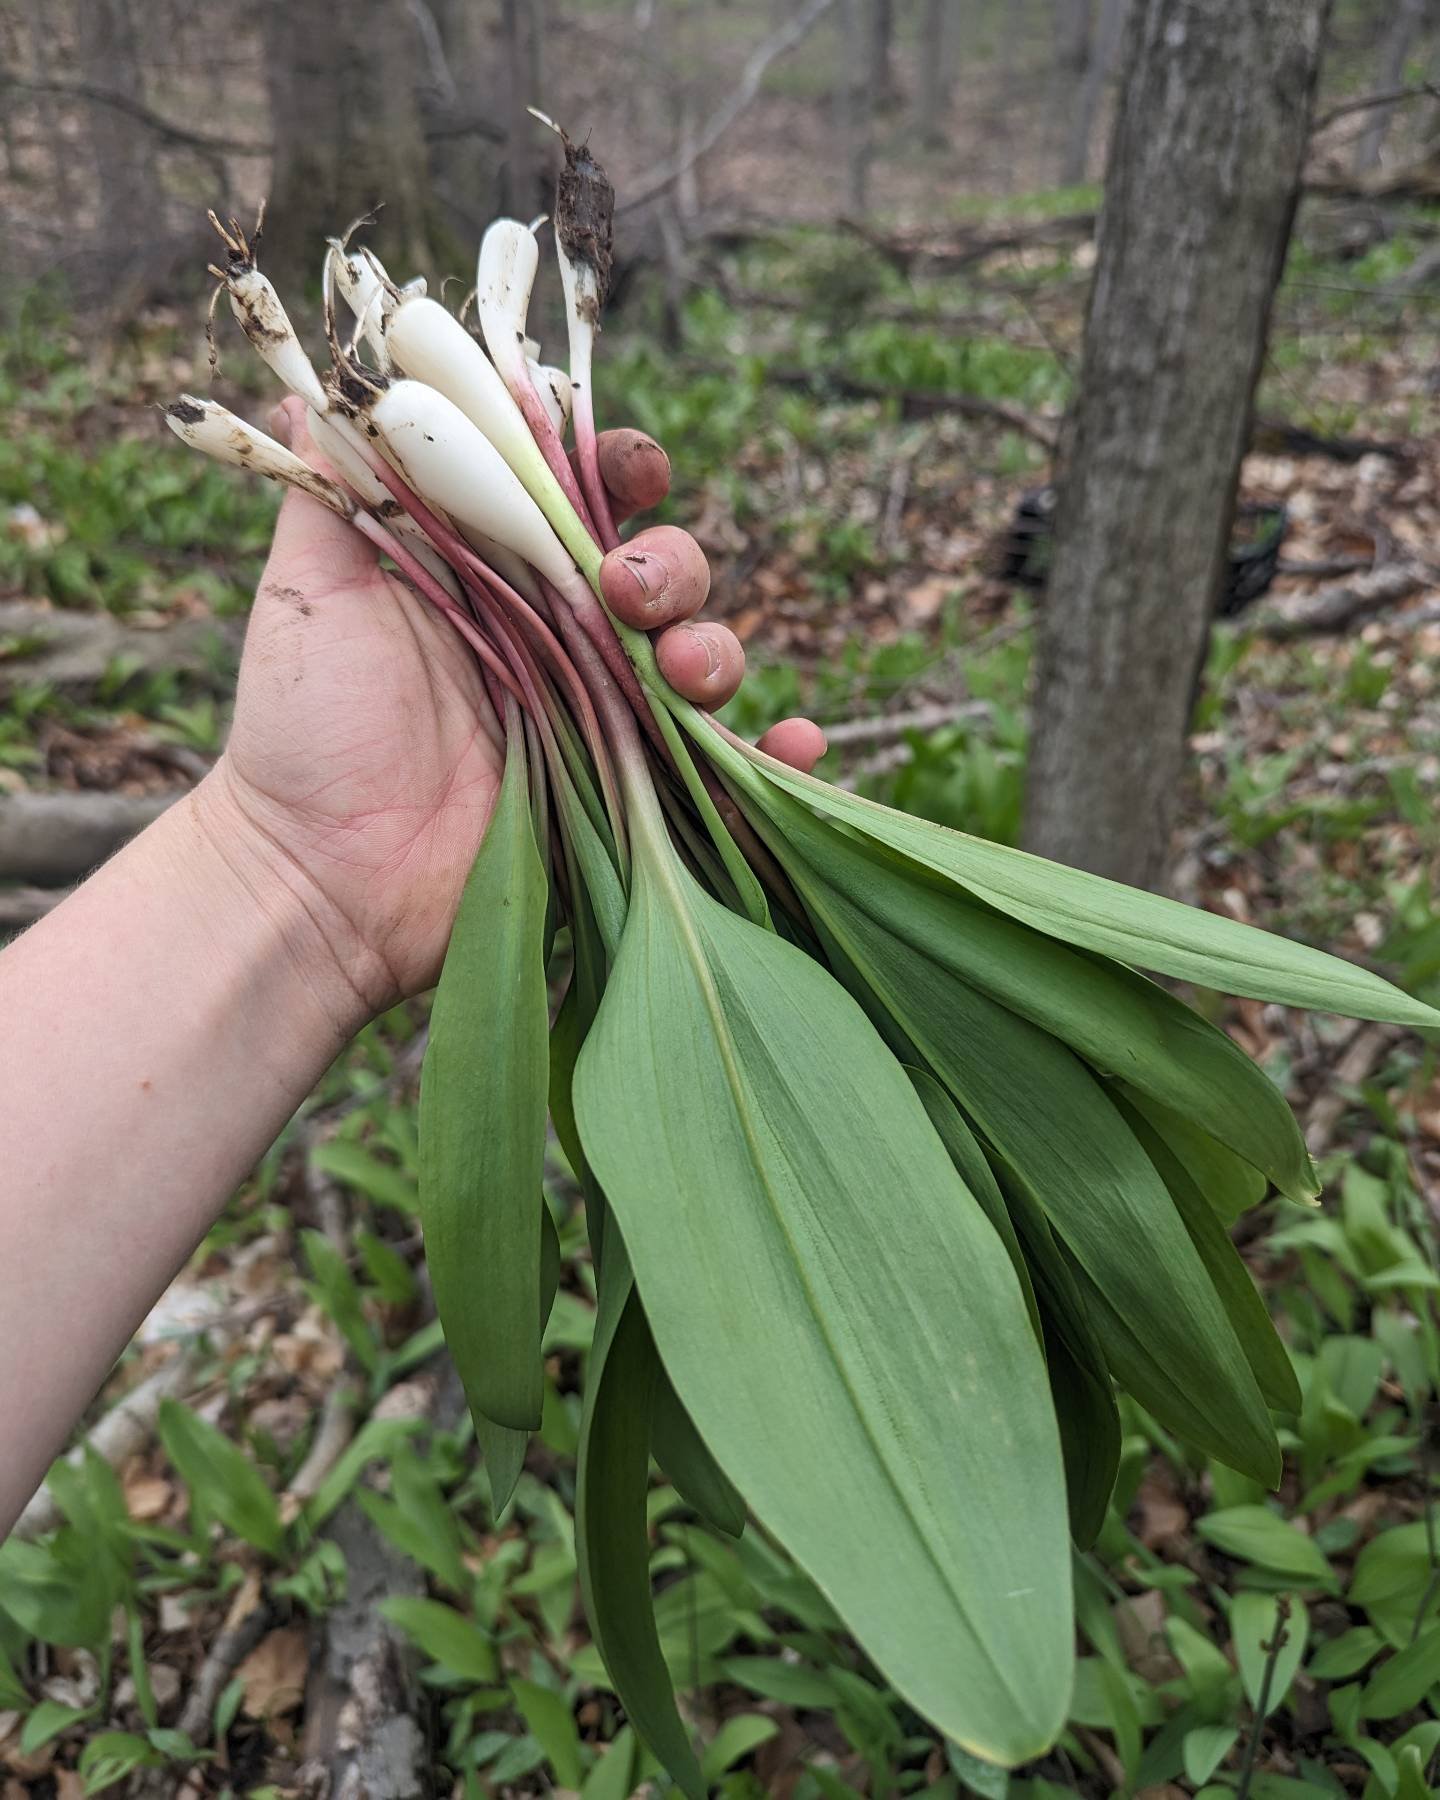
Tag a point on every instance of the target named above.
point(238, 1637)
point(1360, 1057)
point(122, 1433)
point(22, 906)
point(1278, 437)
point(77, 649)
point(1335, 608)
point(904, 253)
point(51, 839)
point(885, 727)
point(724, 116)
point(165, 129)
point(1367, 102)
point(921, 403)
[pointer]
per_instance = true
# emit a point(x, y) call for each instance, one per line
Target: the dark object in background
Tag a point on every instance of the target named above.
point(1255, 539)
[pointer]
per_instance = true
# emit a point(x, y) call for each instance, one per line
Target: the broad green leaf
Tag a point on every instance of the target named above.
point(789, 1683)
point(110, 1756)
point(1257, 1535)
point(484, 1096)
point(1205, 1748)
point(612, 1777)
point(1080, 1380)
point(1254, 1622)
point(611, 1529)
point(740, 1736)
point(1135, 927)
point(1345, 1655)
point(48, 1720)
point(1230, 1184)
point(334, 1288)
point(1163, 1329)
point(1123, 1025)
point(825, 1262)
point(439, 1552)
point(502, 1449)
point(681, 1452)
point(446, 1636)
point(552, 1724)
point(1403, 1681)
point(963, 1149)
point(1392, 1578)
point(1268, 1358)
point(352, 1164)
point(221, 1478)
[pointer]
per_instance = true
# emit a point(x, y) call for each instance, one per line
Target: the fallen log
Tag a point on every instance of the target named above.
point(1337, 607)
point(72, 650)
point(52, 839)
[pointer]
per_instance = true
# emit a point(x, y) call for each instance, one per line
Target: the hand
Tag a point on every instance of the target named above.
point(356, 777)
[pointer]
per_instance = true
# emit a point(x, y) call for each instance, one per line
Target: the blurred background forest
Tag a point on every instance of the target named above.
point(1052, 385)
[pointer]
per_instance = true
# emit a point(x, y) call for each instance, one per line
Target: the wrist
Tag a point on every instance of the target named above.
point(276, 908)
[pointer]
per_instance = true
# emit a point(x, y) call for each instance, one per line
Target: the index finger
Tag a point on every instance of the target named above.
point(635, 470)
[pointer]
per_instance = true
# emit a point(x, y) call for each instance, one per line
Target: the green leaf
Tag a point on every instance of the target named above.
point(963, 1149)
point(740, 1736)
point(1257, 1535)
point(437, 1552)
point(1135, 927)
point(334, 1287)
point(221, 1478)
point(1163, 1329)
point(1254, 1621)
point(1205, 1748)
point(56, 1592)
point(611, 1528)
point(1229, 1183)
point(48, 1720)
point(445, 1636)
point(1268, 1358)
point(352, 1164)
point(483, 1104)
point(110, 1756)
point(551, 1725)
point(1404, 1680)
point(502, 1449)
point(682, 1453)
point(613, 1776)
point(1392, 1578)
point(1345, 1655)
point(826, 1262)
point(788, 1683)
point(1123, 1025)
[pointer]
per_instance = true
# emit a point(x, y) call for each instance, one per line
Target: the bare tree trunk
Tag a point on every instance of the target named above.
point(521, 189)
point(1203, 177)
point(880, 37)
point(855, 105)
point(126, 180)
point(348, 135)
point(937, 34)
point(1099, 54)
point(1395, 51)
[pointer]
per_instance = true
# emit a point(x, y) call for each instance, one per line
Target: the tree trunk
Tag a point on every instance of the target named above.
point(936, 76)
point(347, 129)
point(855, 105)
point(1394, 54)
point(126, 178)
point(1098, 52)
point(1203, 177)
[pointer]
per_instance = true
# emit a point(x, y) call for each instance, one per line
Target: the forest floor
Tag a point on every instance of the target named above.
point(851, 440)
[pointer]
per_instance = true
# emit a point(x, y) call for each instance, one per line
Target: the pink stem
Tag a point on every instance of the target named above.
point(548, 440)
point(426, 583)
point(587, 452)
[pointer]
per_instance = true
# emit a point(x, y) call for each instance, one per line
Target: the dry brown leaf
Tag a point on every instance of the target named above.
point(147, 1496)
point(273, 1674)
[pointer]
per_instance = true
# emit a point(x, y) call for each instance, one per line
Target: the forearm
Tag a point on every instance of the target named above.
point(156, 1031)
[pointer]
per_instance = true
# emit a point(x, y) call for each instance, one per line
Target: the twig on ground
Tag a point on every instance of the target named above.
point(1359, 1059)
point(887, 726)
point(1334, 608)
point(122, 1432)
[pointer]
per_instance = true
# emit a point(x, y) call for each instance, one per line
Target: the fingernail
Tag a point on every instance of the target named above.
point(712, 653)
point(650, 575)
point(280, 424)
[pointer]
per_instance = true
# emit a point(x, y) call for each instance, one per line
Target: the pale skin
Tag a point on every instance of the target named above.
point(164, 1022)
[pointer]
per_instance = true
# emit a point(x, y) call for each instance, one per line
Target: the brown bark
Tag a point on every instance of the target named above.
point(937, 37)
point(1204, 171)
point(348, 132)
point(126, 174)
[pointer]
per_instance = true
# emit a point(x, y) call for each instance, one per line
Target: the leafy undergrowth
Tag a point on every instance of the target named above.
point(1231, 1642)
